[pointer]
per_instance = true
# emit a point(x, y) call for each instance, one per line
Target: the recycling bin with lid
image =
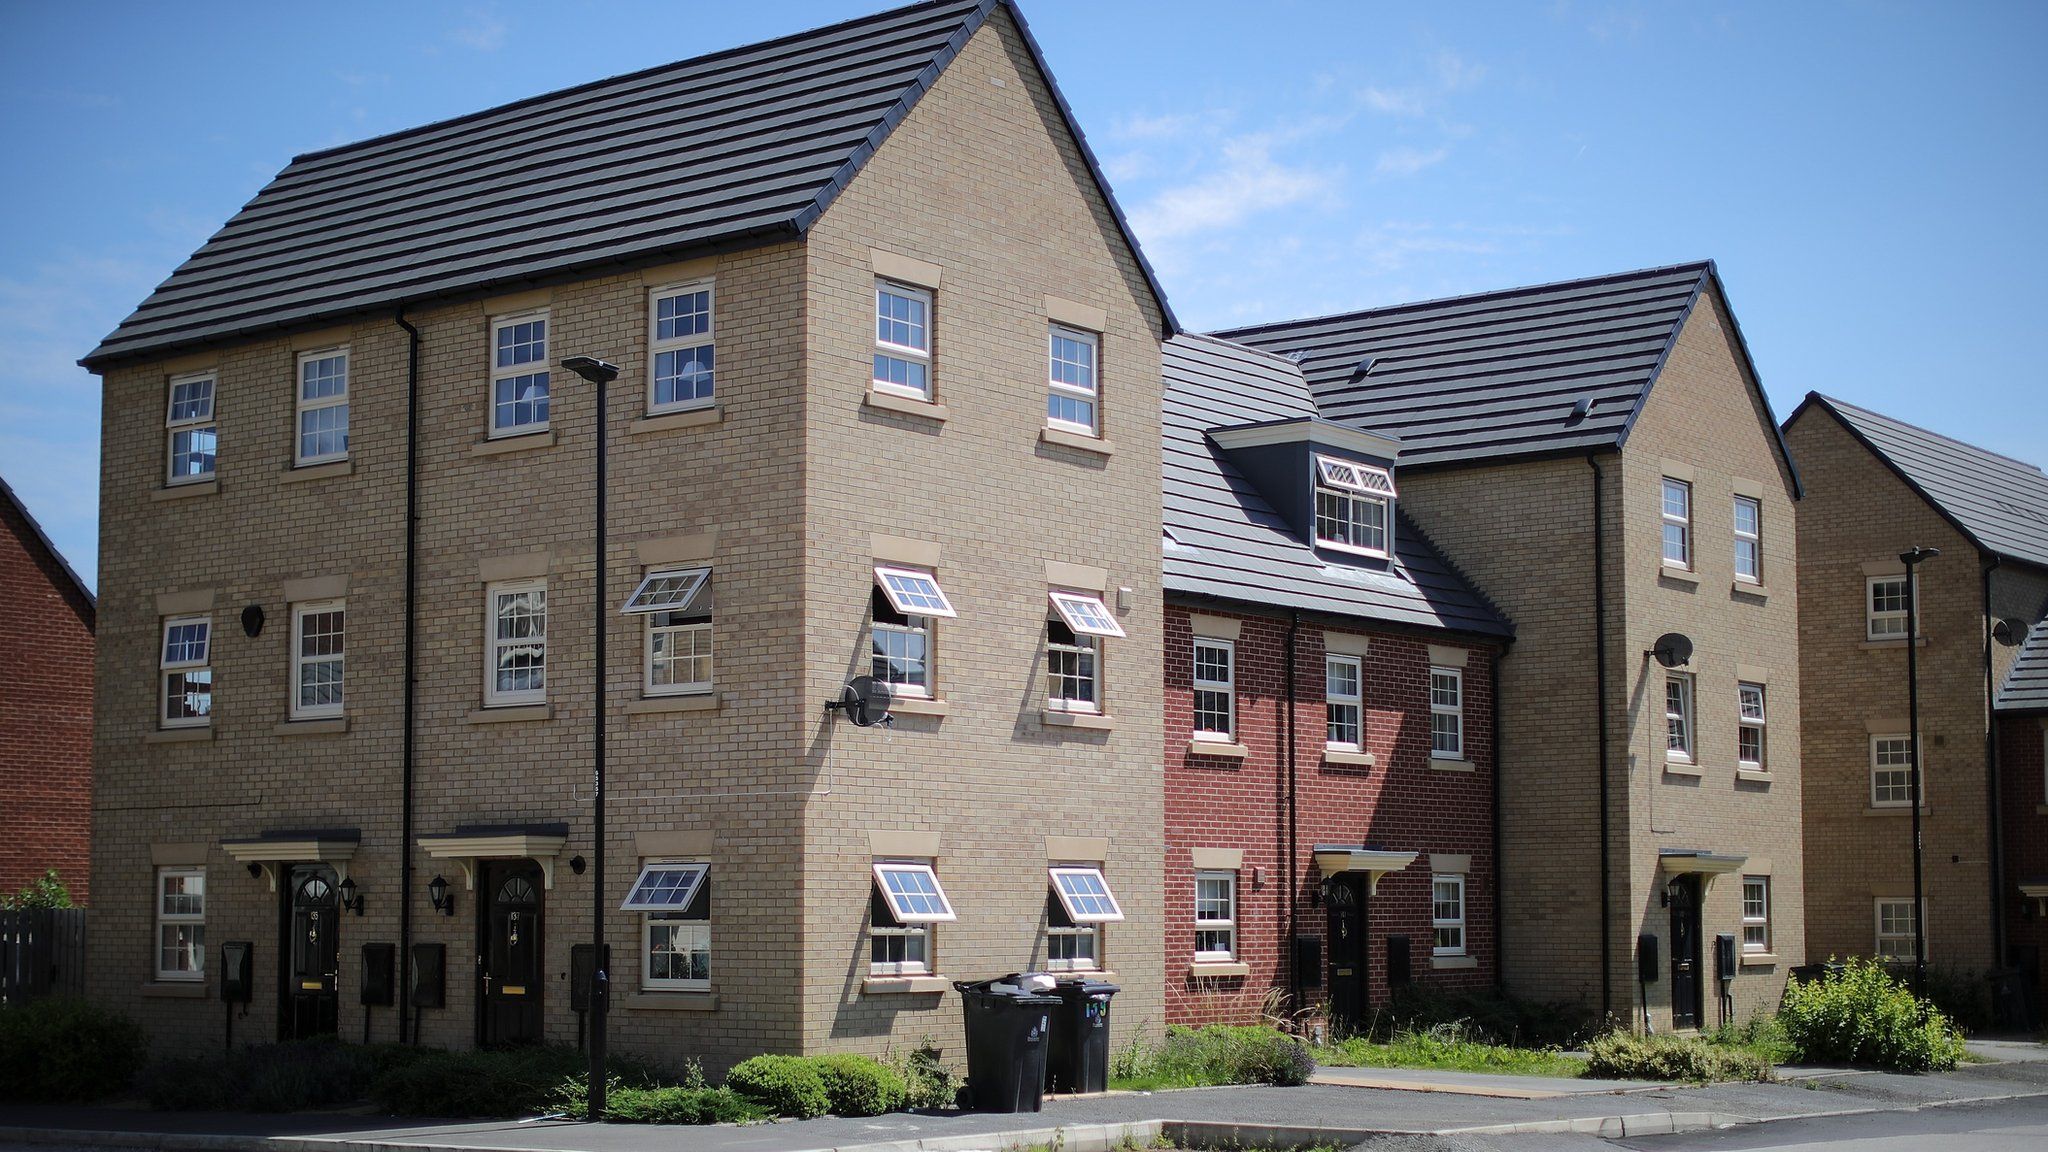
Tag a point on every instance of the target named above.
point(1077, 1059)
point(1007, 1025)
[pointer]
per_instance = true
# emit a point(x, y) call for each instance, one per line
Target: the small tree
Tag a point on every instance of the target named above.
point(46, 891)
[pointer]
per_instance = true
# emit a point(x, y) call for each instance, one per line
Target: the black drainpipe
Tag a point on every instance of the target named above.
point(412, 525)
point(1499, 915)
point(1600, 714)
point(1293, 921)
point(1998, 958)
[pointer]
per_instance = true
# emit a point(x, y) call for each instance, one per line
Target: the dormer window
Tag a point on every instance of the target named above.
point(1351, 506)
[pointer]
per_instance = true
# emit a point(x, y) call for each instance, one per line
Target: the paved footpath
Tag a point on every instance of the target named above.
point(1329, 1114)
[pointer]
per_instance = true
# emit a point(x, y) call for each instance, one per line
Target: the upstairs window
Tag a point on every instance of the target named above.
point(1749, 733)
point(323, 407)
point(1678, 729)
point(1749, 540)
point(1351, 506)
point(1344, 700)
point(187, 677)
point(319, 652)
point(192, 438)
point(681, 347)
point(1071, 401)
point(674, 900)
point(1215, 691)
point(1072, 676)
point(903, 339)
point(1677, 523)
point(1891, 771)
point(1446, 714)
point(904, 603)
point(1885, 608)
point(677, 606)
point(516, 644)
point(519, 375)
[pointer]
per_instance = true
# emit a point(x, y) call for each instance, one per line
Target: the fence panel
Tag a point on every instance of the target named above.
point(42, 953)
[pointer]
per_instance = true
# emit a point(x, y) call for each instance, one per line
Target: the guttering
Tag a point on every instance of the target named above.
point(412, 533)
point(1293, 920)
point(1993, 783)
point(1600, 718)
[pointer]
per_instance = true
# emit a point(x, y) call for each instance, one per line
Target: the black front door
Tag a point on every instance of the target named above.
point(310, 953)
point(1685, 951)
point(1344, 896)
point(509, 975)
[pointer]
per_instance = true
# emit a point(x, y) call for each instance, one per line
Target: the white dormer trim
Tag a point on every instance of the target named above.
point(1306, 429)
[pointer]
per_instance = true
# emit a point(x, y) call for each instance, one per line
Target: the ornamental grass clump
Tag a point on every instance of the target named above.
point(1623, 1055)
point(1860, 1015)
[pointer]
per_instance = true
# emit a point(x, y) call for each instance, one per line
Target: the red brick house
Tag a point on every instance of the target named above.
point(1329, 712)
point(2021, 708)
point(46, 638)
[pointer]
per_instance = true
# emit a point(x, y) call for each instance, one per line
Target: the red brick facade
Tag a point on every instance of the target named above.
point(1399, 803)
point(46, 639)
point(2023, 806)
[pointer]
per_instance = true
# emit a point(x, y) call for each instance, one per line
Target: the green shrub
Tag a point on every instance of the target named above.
point(1621, 1055)
point(784, 1085)
point(294, 1076)
point(860, 1085)
point(509, 1082)
point(64, 1050)
point(1962, 994)
point(1485, 1017)
point(1216, 1054)
point(1448, 1046)
point(929, 1083)
point(1763, 1035)
point(45, 891)
point(669, 1104)
point(1861, 1015)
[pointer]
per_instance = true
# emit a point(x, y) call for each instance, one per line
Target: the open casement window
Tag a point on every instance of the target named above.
point(1749, 733)
point(677, 605)
point(1215, 917)
point(1214, 691)
point(907, 901)
point(1678, 730)
point(901, 647)
point(681, 348)
point(181, 924)
point(1756, 913)
point(516, 643)
point(1447, 914)
point(1446, 714)
point(1677, 514)
point(1071, 400)
point(1085, 894)
point(674, 898)
point(913, 592)
point(1351, 506)
point(519, 374)
point(322, 407)
point(1073, 670)
point(1891, 772)
point(1885, 608)
point(186, 675)
point(191, 437)
point(1344, 702)
point(319, 655)
point(1086, 614)
point(903, 340)
point(1749, 540)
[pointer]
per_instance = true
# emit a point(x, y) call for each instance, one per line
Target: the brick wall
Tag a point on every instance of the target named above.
point(1400, 803)
point(2023, 783)
point(46, 631)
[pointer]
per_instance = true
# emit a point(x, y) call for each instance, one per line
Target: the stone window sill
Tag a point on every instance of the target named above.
point(1091, 721)
point(519, 442)
point(2041, 809)
point(672, 421)
point(1887, 645)
point(1437, 765)
point(1745, 588)
point(904, 985)
point(1213, 970)
point(1682, 575)
point(918, 706)
point(673, 1001)
point(1897, 810)
point(1228, 750)
point(1753, 775)
point(694, 702)
point(317, 471)
point(186, 491)
point(1078, 441)
point(1454, 961)
point(1677, 768)
point(179, 735)
point(1756, 959)
point(905, 405)
point(1347, 758)
point(329, 726)
point(175, 989)
point(510, 715)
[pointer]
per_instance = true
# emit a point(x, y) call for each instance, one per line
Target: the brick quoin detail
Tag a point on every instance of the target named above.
point(1400, 803)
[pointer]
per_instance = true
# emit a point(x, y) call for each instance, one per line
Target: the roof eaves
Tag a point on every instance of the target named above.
point(90, 603)
point(1827, 404)
point(1272, 608)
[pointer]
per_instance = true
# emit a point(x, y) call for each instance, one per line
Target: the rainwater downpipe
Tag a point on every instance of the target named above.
point(1997, 804)
point(1600, 717)
point(1293, 920)
point(1493, 732)
point(412, 532)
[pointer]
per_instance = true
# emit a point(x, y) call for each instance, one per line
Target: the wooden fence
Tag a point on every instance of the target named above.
point(42, 953)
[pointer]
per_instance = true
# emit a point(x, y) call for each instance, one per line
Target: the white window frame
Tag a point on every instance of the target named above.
point(1685, 720)
point(913, 928)
point(1872, 617)
point(1906, 770)
point(655, 914)
point(706, 339)
point(1085, 651)
point(1441, 924)
point(1227, 687)
point(175, 426)
point(1084, 920)
point(893, 580)
point(512, 698)
point(1903, 940)
point(542, 367)
point(1455, 712)
point(674, 591)
point(300, 710)
point(303, 406)
point(908, 353)
point(1746, 723)
point(174, 919)
point(1681, 520)
point(1754, 539)
point(167, 667)
point(1759, 920)
point(1083, 942)
point(898, 902)
point(1086, 614)
point(1350, 488)
point(1333, 700)
point(1226, 925)
point(1058, 389)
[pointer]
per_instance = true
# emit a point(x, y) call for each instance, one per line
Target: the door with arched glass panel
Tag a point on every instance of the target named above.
point(509, 969)
point(311, 954)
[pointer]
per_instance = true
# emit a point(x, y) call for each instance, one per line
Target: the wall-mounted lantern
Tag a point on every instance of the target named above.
point(351, 899)
point(443, 900)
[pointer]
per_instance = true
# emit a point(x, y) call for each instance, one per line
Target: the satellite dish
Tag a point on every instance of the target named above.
point(2009, 631)
point(1673, 649)
point(865, 700)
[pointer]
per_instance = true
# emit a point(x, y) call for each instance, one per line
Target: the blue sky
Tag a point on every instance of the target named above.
point(1868, 175)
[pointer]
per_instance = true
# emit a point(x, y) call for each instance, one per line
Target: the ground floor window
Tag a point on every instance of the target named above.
point(907, 900)
point(1215, 916)
point(1756, 913)
point(1894, 929)
point(181, 924)
point(1447, 914)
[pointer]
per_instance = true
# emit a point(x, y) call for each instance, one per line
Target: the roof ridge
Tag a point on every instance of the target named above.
point(1209, 338)
point(1699, 266)
point(1835, 402)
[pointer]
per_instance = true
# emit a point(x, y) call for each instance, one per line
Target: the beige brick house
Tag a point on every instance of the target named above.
point(890, 376)
point(1877, 487)
point(1598, 458)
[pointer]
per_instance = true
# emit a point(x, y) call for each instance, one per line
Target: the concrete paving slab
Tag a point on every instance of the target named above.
point(1477, 1083)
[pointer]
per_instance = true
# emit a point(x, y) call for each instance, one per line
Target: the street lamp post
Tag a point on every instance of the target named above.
point(599, 373)
point(1912, 559)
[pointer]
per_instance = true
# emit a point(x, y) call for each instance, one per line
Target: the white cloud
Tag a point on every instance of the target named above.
point(482, 31)
point(1247, 182)
point(1166, 127)
point(1406, 161)
point(1393, 102)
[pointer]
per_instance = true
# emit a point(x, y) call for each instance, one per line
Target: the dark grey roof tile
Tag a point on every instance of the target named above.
point(2026, 685)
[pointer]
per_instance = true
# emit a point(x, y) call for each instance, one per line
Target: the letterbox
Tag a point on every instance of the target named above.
point(237, 968)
